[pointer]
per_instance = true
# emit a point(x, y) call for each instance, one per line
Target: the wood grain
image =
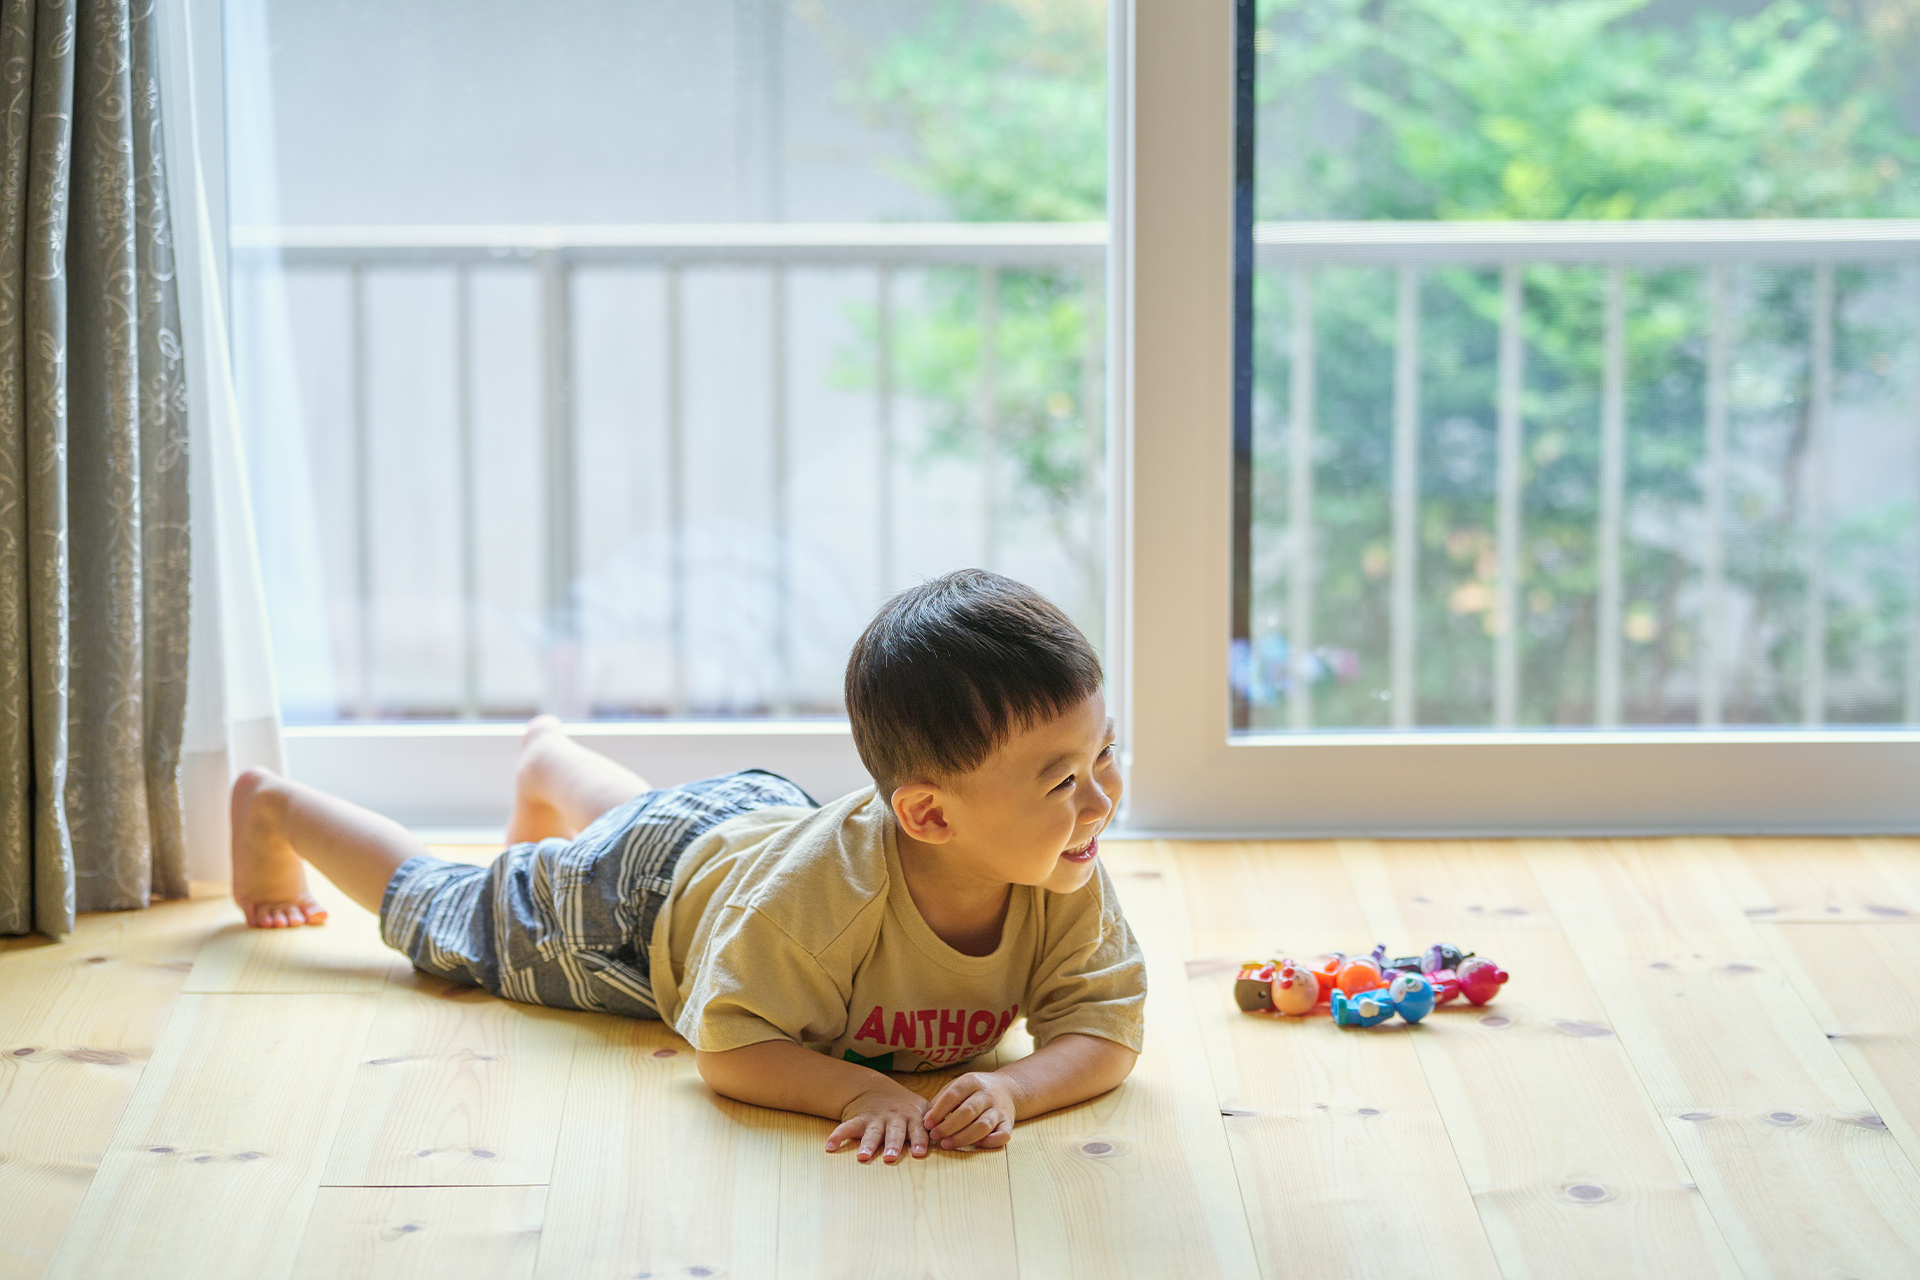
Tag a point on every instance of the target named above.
point(949, 1215)
point(454, 1088)
point(213, 1169)
point(1862, 984)
point(1140, 1181)
point(78, 1021)
point(422, 1233)
point(1803, 879)
point(655, 1173)
point(1763, 1111)
point(1324, 1122)
point(1568, 1162)
point(341, 957)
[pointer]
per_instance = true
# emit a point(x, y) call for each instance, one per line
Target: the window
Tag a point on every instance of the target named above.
point(618, 359)
point(1262, 708)
point(1569, 404)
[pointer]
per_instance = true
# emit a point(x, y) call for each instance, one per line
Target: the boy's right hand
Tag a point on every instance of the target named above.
point(888, 1118)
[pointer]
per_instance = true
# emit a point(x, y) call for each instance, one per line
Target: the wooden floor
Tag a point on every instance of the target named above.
point(1707, 1063)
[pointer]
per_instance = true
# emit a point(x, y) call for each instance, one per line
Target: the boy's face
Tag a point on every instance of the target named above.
point(1030, 813)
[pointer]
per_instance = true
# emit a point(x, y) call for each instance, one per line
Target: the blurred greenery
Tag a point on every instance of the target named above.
point(1478, 109)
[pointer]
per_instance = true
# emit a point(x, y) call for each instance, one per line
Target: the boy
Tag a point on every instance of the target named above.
point(803, 951)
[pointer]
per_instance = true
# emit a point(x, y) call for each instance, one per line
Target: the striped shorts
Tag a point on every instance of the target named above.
point(567, 923)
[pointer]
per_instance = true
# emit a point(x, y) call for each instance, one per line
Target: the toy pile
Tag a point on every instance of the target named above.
point(1364, 991)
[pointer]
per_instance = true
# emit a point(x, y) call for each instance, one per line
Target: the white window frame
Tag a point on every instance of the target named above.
point(1171, 204)
point(1169, 369)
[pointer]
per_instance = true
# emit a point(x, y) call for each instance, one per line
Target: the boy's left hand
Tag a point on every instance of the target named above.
point(974, 1110)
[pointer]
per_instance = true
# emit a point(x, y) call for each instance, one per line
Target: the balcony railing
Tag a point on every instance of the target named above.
point(555, 254)
point(1712, 246)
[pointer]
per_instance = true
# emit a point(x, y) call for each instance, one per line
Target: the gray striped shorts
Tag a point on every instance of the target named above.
point(567, 923)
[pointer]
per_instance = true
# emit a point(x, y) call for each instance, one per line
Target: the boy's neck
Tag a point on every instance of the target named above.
point(964, 911)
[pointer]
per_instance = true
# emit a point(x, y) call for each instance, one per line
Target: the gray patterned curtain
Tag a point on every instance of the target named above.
point(93, 471)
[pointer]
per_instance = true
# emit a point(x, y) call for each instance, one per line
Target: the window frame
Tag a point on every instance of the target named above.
point(1170, 370)
point(1173, 190)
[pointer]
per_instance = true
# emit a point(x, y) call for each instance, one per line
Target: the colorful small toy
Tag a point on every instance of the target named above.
point(1368, 1009)
point(1327, 974)
point(1480, 979)
point(1412, 995)
point(1296, 989)
point(1253, 989)
point(1358, 975)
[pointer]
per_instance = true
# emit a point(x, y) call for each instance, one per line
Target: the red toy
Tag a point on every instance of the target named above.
point(1480, 979)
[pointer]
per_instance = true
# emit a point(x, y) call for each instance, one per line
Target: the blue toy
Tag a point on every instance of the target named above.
point(1412, 995)
point(1367, 1009)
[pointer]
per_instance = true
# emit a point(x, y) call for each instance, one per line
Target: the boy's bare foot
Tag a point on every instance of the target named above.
point(533, 818)
point(269, 880)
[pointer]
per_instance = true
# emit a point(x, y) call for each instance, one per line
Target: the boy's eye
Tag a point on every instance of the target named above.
point(1064, 783)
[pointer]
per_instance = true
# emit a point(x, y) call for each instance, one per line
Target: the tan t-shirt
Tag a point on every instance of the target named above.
point(796, 924)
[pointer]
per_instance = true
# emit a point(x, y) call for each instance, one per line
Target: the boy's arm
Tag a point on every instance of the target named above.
point(882, 1113)
point(979, 1108)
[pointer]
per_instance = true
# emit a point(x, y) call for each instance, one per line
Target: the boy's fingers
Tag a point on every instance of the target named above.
point(896, 1138)
point(943, 1102)
point(1000, 1137)
point(961, 1116)
point(917, 1138)
point(876, 1129)
point(844, 1132)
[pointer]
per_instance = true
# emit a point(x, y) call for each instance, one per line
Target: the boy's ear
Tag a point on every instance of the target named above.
point(922, 812)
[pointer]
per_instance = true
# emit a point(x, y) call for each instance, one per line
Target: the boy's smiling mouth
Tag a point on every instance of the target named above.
point(1085, 852)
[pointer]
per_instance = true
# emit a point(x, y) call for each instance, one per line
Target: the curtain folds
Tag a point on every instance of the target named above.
point(94, 471)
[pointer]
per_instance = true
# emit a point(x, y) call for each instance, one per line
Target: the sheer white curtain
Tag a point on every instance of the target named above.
point(233, 718)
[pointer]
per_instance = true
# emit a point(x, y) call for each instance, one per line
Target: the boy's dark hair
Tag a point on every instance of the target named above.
point(949, 670)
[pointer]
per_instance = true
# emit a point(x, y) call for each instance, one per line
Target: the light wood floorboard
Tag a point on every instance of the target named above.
point(1707, 1064)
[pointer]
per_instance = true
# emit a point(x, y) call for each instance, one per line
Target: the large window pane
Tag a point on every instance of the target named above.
point(619, 358)
point(1566, 408)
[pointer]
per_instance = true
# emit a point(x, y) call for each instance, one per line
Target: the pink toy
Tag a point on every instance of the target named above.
point(1480, 979)
point(1296, 989)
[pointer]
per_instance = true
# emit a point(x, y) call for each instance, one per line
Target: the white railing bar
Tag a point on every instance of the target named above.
point(1405, 563)
point(1613, 486)
point(1713, 603)
point(1792, 240)
point(362, 485)
point(883, 425)
point(782, 515)
point(562, 560)
point(989, 391)
point(468, 480)
point(1802, 239)
point(1813, 696)
point(1506, 618)
point(1093, 421)
point(1000, 243)
point(1912, 711)
point(1300, 449)
point(676, 469)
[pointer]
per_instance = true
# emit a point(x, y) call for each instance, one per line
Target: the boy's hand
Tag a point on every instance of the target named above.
point(888, 1118)
point(974, 1110)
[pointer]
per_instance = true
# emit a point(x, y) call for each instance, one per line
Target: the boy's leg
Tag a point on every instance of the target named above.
point(277, 822)
point(560, 786)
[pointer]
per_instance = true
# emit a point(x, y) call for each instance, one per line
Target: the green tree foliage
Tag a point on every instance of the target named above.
point(1478, 109)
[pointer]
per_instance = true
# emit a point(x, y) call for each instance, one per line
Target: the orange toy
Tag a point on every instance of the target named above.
point(1327, 974)
point(1296, 988)
point(1358, 975)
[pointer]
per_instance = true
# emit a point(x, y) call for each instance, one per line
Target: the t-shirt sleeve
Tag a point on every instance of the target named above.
point(1092, 979)
point(755, 983)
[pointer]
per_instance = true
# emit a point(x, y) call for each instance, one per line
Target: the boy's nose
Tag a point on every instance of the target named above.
point(1094, 803)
